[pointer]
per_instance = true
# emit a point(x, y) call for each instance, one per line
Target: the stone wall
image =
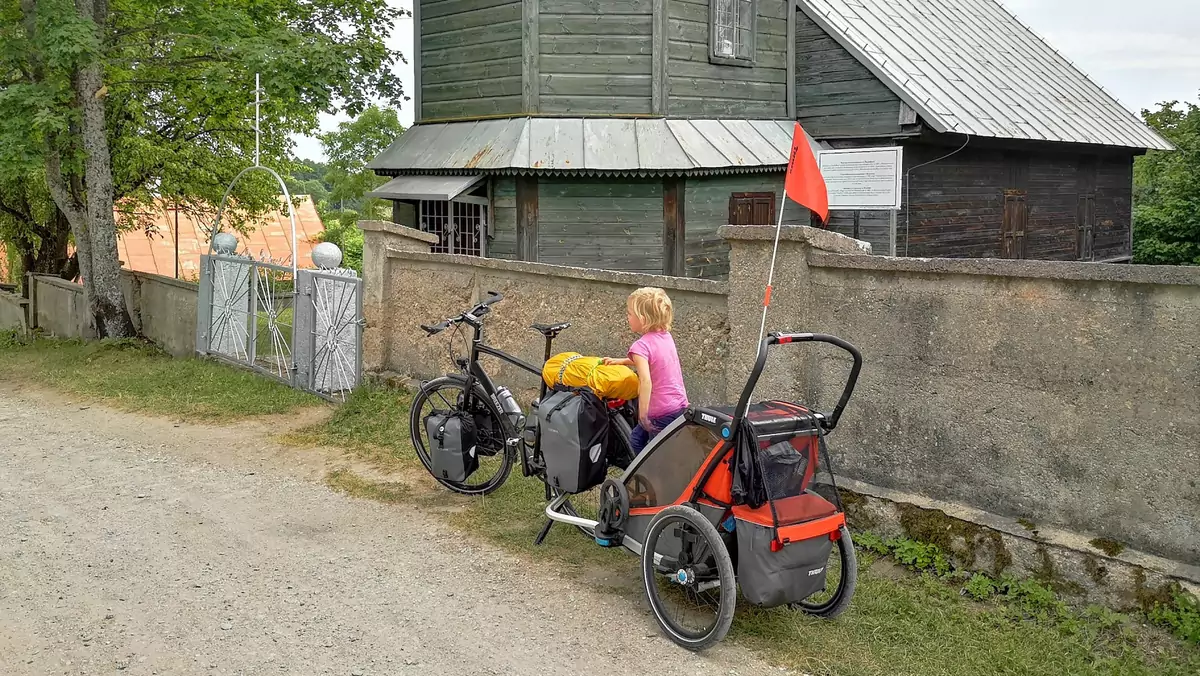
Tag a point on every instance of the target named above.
point(1062, 394)
point(1065, 395)
point(422, 288)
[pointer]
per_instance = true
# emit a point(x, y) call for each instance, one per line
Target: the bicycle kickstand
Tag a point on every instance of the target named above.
point(545, 531)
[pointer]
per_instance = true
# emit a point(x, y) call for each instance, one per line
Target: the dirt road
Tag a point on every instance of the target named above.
point(137, 546)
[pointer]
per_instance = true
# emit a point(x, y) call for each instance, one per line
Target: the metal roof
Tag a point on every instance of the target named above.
point(576, 144)
point(439, 188)
point(971, 67)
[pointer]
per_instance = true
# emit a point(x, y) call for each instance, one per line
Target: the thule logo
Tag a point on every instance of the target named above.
point(708, 418)
point(816, 571)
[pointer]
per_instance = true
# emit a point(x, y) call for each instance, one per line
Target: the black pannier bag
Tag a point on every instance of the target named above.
point(574, 439)
point(452, 444)
point(775, 578)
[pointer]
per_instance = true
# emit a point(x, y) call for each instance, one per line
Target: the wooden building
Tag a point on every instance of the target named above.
point(621, 133)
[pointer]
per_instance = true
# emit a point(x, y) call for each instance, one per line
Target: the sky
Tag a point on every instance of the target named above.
point(1143, 52)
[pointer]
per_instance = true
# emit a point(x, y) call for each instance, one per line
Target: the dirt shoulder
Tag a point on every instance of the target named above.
point(142, 545)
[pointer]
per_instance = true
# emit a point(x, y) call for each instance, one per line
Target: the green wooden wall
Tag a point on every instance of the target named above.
point(597, 223)
point(699, 88)
point(594, 56)
point(706, 208)
point(504, 219)
point(470, 58)
point(836, 96)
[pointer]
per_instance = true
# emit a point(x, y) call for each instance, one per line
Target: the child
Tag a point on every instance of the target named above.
point(661, 394)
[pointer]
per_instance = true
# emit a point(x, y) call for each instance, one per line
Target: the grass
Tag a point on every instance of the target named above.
point(135, 376)
point(901, 622)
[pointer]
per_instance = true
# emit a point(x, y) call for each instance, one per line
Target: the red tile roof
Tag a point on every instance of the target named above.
point(271, 237)
point(155, 252)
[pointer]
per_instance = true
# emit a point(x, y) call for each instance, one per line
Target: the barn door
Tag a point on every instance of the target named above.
point(1013, 232)
point(1085, 244)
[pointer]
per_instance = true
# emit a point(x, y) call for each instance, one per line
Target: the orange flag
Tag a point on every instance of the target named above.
point(804, 183)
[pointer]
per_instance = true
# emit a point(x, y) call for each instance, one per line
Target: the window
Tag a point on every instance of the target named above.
point(460, 226)
point(752, 208)
point(669, 469)
point(732, 38)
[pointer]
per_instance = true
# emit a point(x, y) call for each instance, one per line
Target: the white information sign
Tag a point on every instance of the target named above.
point(862, 178)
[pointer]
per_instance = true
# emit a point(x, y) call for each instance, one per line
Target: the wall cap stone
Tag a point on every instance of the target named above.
point(825, 240)
point(1000, 267)
point(160, 279)
point(634, 279)
point(398, 230)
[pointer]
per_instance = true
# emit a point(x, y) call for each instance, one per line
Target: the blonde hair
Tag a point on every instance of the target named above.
point(652, 306)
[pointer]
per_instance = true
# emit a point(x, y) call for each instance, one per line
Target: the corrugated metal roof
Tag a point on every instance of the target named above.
point(591, 145)
point(442, 188)
point(971, 67)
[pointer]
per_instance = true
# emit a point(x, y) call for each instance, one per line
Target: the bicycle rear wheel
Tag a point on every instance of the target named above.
point(495, 458)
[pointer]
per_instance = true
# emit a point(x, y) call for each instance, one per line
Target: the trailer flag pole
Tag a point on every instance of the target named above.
point(805, 186)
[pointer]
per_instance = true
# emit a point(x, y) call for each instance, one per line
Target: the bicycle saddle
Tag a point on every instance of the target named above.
point(550, 330)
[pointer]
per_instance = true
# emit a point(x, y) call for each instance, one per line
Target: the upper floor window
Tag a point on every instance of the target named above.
point(732, 38)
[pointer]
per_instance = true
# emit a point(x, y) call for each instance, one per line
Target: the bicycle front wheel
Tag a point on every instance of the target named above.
point(448, 393)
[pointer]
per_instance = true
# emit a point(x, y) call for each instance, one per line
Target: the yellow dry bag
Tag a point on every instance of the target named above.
point(575, 370)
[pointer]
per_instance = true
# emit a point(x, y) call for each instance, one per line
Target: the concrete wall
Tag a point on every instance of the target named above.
point(422, 288)
point(163, 310)
point(12, 310)
point(59, 308)
point(1064, 394)
point(1067, 394)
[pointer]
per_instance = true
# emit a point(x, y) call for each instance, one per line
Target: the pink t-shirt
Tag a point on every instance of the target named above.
point(667, 394)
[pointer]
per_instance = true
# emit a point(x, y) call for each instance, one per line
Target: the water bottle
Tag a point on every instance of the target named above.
point(510, 408)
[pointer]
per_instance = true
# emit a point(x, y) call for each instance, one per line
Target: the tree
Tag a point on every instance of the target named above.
point(349, 149)
point(125, 103)
point(1166, 215)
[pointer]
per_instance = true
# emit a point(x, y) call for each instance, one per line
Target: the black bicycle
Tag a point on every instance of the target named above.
point(502, 427)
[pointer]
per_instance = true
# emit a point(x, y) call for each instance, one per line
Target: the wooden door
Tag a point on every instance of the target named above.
point(1014, 230)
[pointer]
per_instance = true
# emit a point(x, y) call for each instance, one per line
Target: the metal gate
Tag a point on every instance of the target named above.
point(300, 327)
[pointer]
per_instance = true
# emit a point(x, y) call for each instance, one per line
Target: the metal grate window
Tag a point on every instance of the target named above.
point(733, 29)
point(459, 226)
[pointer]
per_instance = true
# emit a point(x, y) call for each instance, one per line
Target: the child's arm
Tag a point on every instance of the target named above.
point(613, 361)
point(644, 390)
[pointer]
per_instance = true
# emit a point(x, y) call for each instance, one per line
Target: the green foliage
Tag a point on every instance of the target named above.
point(341, 228)
point(872, 543)
point(1181, 616)
point(352, 146)
point(920, 555)
point(1166, 212)
point(980, 587)
point(179, 79)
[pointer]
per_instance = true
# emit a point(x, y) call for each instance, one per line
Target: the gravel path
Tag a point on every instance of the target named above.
point(138, 546)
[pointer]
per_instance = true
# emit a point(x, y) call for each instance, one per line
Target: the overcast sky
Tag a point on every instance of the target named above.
point(1143, 52)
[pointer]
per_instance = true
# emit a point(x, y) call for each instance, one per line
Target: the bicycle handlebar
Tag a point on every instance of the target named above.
point(831, 419)
point(472, 316)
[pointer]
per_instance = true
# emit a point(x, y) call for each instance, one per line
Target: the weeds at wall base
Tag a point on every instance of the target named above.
point(1031, 598)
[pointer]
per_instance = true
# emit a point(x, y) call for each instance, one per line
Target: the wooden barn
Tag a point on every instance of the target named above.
point(621, 134)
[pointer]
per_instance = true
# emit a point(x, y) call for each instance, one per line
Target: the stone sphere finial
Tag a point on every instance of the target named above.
point(326, 256)
point(225, 243)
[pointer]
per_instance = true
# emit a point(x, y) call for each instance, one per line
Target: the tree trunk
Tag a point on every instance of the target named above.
point(46, 252)
point(108, 303)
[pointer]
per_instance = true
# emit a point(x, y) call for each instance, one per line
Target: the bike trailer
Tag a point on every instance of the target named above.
point(574, 430)
point(785, 510)
point(452, 444)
